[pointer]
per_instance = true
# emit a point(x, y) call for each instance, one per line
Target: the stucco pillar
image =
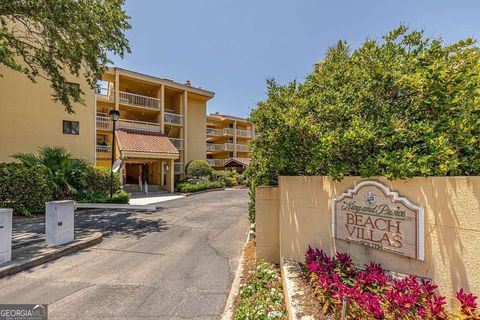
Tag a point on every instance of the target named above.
point(235, 138)
point(185, 126)
point(170, 175)
point(117, 90)
point(161, 96)
point(162, 174)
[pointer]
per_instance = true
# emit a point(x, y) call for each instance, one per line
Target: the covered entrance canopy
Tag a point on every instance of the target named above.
point(147, 156)
point(238, 164)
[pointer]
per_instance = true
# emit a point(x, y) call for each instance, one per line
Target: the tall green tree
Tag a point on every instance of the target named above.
point(399, 107)
point(52, 38)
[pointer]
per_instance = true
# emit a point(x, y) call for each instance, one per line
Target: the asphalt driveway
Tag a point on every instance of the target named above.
point(176, 263)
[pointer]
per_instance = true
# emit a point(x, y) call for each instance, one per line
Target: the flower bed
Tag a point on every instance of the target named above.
point(261, 293)
point(373, 294)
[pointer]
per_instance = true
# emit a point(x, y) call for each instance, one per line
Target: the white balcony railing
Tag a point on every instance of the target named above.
point(229, 147)
point(103, 121)
point(244, 133)
point(179, 168)
point(103, 151)
point(105, 94)
point(137, 100)
point(214, 147)
point(173, 118)
point(228, 132)
point(178, 143)
point(242, 147)
point(139, 125)
point(216, 162)
point(214, 132)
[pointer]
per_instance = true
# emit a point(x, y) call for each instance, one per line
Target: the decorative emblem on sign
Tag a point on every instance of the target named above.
point(372, 215)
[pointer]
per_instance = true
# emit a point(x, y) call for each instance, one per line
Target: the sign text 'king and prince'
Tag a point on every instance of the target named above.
point(372, 215)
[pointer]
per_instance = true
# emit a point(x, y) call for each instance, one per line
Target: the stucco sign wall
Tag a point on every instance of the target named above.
point(372, 215)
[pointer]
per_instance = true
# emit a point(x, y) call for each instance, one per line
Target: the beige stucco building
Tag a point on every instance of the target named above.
point(158, 116)
point(227, 141)
point(30, 119)
point(162, 123)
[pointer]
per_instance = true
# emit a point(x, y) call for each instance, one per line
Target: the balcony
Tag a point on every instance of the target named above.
point(220, 147)
point(104, 123)
point(178, 143)
point(228, 132)
point(103, 152)
point(130, 99)
point(244, 133)
point(173, 119)
point(216, 162)
point(242, 147)
point(106, 95)
point(179, 168)
point(214, 132)
point(139, 125)
point(137, 100)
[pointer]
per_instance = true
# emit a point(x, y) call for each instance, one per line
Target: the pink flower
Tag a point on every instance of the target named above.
point(468, 304)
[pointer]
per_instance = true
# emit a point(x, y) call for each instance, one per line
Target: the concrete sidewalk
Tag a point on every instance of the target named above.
point(154, 198)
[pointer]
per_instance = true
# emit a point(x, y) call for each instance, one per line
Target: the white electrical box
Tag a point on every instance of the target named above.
point(59, 222)
point(5, 235)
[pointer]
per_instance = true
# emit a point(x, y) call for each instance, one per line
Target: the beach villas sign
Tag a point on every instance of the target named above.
point(372, 215)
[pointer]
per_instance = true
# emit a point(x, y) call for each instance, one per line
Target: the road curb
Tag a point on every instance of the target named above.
point(203, 191)
point(235, 289)
point(16, 266)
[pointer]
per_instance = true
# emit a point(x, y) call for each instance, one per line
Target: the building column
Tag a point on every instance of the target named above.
point(185, 126)
point(171, 175)
point(162, 174)
point(161, 96)
point(235, 138)
point(117, 90)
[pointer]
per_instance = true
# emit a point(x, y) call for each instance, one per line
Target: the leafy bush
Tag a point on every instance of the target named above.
point(66, 175)
point(188, 187)
point(401, 107)
point(198, 169)
point(373, 294)
point(120, 196)
point(98, 185)
point(226, 178)
point(23, 189)
point(262, 296)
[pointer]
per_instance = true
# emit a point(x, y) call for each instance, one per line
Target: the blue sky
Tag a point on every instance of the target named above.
point(231, 47)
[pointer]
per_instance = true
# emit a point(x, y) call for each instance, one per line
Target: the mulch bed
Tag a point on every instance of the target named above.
point(249, 265)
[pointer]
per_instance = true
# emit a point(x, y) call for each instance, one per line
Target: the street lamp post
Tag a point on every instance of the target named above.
point(114, 115)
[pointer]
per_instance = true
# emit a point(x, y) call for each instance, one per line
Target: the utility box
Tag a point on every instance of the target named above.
point(59, 222)
point(5, 235)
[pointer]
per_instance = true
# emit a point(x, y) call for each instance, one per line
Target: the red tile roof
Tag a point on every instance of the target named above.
point(130, 140)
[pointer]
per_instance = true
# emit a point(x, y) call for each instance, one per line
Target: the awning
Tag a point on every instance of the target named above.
point(144, 144)
point(237, 162)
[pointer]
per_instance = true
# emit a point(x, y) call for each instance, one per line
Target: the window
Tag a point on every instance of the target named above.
point(230, 125)
point(71, 127)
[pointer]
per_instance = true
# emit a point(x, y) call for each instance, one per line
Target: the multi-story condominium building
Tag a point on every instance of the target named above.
point(161, 126)
point(162, 123)
point(227, 141)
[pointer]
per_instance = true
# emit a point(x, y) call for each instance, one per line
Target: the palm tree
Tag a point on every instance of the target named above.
point(65, 173)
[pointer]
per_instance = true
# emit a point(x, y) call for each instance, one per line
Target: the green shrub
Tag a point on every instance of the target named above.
point(198, 169)
point(98, 185)
point(120, 196)
point(226, 178)
point(188, 187)
point(65, 174)
point(401, 107)
point(23, 189)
